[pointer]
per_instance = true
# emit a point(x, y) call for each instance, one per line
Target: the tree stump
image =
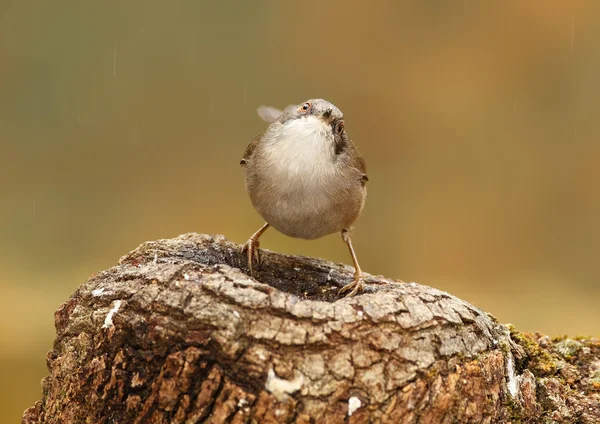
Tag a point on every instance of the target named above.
point(179, 333)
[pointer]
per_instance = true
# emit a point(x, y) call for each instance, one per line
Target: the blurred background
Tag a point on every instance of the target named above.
point(122, 122)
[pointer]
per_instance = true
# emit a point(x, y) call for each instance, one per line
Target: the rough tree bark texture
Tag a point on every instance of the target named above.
point(177, 333)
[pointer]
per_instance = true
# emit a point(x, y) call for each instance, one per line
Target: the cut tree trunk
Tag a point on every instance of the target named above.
point(179, 333)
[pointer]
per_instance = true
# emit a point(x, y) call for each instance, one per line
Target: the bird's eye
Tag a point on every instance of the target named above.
point(340, 128)
point(305, 107)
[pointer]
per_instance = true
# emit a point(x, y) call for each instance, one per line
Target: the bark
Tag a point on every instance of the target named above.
point(179, 333)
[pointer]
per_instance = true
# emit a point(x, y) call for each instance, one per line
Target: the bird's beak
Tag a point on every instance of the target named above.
point(326, 115)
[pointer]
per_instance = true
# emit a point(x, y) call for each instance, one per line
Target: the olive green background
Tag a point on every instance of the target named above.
point(124, 121)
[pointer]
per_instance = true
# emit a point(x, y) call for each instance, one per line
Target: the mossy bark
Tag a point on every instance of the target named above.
point(178, 333)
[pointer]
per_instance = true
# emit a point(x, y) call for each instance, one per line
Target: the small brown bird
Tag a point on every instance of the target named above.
point(305, 177)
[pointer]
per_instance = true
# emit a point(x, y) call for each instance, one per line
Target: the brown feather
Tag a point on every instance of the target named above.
point(355, 160)
point(250, 149)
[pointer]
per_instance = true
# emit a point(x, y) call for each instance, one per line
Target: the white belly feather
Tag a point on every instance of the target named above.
point(304, 152)
point(299, 179)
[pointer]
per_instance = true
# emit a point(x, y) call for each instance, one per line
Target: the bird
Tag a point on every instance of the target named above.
point(306, 178)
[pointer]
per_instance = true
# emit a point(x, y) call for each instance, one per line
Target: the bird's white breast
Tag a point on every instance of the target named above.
point(297, 183)
point(303, 154)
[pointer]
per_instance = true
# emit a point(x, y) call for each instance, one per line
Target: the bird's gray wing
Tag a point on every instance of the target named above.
point(269, 114)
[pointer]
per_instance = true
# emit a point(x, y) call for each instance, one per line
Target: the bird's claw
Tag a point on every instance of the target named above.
point(252, 253)
point(354, 287)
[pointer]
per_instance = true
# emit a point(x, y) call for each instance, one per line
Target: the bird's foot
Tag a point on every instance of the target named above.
point(354, 287)
point(252, 253)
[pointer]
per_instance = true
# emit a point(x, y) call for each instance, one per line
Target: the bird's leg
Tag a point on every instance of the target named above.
point(251, 247)
point(357, 285)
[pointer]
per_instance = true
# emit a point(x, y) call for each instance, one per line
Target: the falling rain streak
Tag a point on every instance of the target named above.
point(572, 50)
point(195, 47)
point(9, 32)
point(573, 33)
point(33, 212)
point(114, 60)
